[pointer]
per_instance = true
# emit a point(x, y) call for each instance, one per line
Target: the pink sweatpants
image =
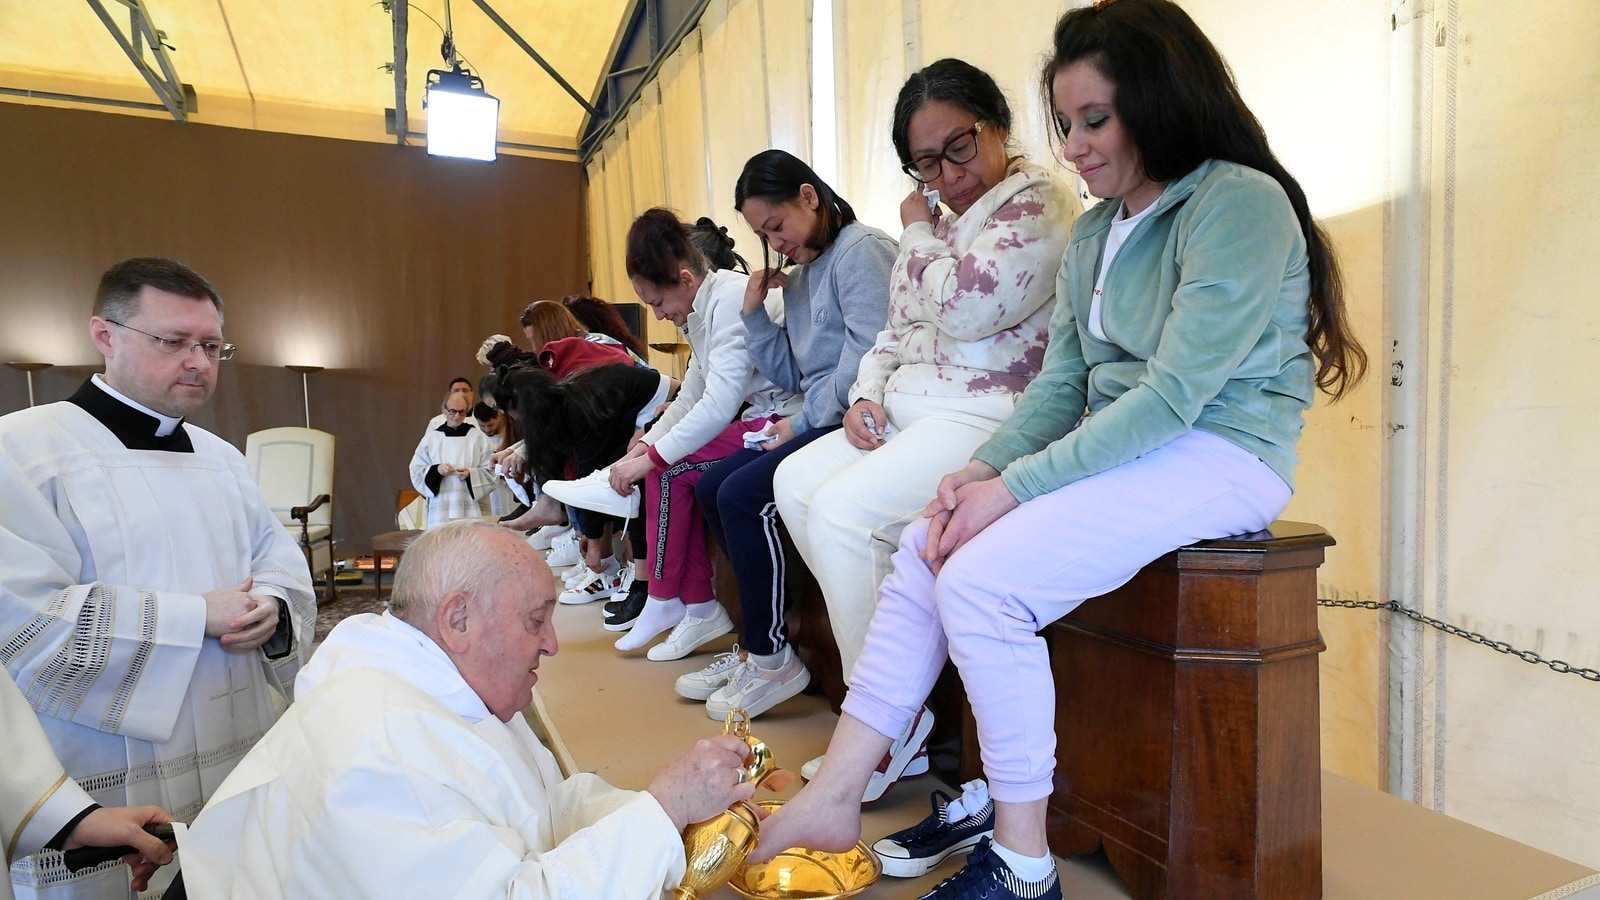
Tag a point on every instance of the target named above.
point(679, 565)
point(1031, 567)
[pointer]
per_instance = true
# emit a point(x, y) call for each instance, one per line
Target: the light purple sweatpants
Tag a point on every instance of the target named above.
point(1031, 567)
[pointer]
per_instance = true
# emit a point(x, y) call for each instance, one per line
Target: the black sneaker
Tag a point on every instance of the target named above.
point(986, 875)
point(922, 847)
point(625, 615)
point(612, 606)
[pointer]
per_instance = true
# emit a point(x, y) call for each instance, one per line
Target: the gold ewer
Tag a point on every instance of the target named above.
point(717, 847)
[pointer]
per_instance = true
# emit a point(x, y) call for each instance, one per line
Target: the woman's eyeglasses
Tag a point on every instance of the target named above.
point(960, 150)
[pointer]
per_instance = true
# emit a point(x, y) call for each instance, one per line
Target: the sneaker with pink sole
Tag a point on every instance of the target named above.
point(756, 690)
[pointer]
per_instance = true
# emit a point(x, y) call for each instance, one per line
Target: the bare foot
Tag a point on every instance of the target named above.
point(813, 819)
point(544, 511)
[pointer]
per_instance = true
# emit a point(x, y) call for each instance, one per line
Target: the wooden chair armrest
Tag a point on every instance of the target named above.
point(302, 514)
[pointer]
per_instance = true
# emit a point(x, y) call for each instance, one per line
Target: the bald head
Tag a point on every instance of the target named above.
point(485, 597)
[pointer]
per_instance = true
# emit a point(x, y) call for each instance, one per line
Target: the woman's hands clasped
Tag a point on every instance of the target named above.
point(968, 500)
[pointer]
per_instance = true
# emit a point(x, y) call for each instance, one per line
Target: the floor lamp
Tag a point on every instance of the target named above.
point(679, 352)
point(29, 368)
point(305, 386)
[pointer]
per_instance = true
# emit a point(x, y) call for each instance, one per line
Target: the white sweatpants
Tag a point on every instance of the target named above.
point(845, 507)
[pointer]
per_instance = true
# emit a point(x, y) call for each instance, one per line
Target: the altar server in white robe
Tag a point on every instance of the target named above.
point(502, 498)
point(41, 807)
point(149, 600)
point(450, 467)
point(406, 769)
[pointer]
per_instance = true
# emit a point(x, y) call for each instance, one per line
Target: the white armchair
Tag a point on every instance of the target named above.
point(294, 467)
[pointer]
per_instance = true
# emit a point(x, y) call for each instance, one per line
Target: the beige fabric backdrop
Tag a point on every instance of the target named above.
point(749, 59)
point(1508, 475)
point(870, 65)
point(684, 130)
point(1448, 153)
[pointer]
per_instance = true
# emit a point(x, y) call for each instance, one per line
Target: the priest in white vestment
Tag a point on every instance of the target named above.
point(450, 467)
point(405, 767)
point(457, 386)
point(150, 603)
point(41, 807)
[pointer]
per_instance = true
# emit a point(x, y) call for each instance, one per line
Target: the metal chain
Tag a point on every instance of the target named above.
point(1527, 656)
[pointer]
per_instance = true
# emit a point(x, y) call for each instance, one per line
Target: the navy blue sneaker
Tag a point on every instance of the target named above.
point(919, 849)
point(986, 875)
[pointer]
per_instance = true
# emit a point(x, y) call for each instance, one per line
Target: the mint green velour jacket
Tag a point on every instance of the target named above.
point(1206, 311)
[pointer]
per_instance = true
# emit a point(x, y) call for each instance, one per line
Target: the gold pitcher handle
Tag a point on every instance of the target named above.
point(737, 723)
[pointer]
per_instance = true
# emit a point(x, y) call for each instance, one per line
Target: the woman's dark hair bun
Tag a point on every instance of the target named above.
point(716, 245)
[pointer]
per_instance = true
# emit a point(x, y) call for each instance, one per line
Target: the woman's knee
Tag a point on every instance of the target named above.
point(914, 538)
point(794, 491)
point(971, 592)
point(705, 490)
point(748, 490)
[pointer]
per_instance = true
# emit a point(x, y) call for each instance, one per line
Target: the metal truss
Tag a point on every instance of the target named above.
point(177, 97)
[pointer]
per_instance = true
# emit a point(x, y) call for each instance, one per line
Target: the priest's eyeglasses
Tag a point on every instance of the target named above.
point(212, 349)
point(959, 151)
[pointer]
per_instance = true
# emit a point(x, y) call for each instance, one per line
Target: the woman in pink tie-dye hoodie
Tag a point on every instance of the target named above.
point(970, 302)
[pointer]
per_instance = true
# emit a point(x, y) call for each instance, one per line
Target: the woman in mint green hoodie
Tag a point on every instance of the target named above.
point(1199, 308)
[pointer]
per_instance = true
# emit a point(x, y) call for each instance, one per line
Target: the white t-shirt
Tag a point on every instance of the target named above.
point(1121, 226)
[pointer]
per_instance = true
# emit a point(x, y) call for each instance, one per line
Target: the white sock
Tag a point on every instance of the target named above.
point(974, 794)
point(703, 610)
point(657, 617)
point(1027, 868)
point(772, 662)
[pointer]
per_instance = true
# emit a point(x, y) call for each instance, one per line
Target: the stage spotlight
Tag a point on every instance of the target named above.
point(463, 121)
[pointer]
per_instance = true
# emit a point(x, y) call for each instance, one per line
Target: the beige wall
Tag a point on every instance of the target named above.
point(749, 61)
point(381, 264)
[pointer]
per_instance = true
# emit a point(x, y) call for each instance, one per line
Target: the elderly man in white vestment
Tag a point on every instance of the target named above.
point(450, 467)
point(406, 769)
point(41, 807)
point(149, 600)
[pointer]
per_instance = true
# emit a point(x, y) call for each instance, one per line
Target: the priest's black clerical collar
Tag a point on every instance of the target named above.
point(449, 430)
point(136, 429)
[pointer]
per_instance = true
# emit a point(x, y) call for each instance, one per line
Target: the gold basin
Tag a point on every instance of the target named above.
point(800, 874)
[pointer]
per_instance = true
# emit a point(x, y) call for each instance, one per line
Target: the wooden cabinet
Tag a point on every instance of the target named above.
point(1187, 722)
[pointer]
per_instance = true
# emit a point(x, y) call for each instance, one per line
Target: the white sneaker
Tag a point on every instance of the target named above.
point(690, 633)
point(907, 756)
point(577, 573)
point(593, 492)
point(602, 585)
point(542, 537)
point(702, 684)
point(564, 550)
point(916, 737)
point(756, 690)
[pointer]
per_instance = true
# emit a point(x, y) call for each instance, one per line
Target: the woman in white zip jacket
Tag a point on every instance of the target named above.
point(684, 273)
